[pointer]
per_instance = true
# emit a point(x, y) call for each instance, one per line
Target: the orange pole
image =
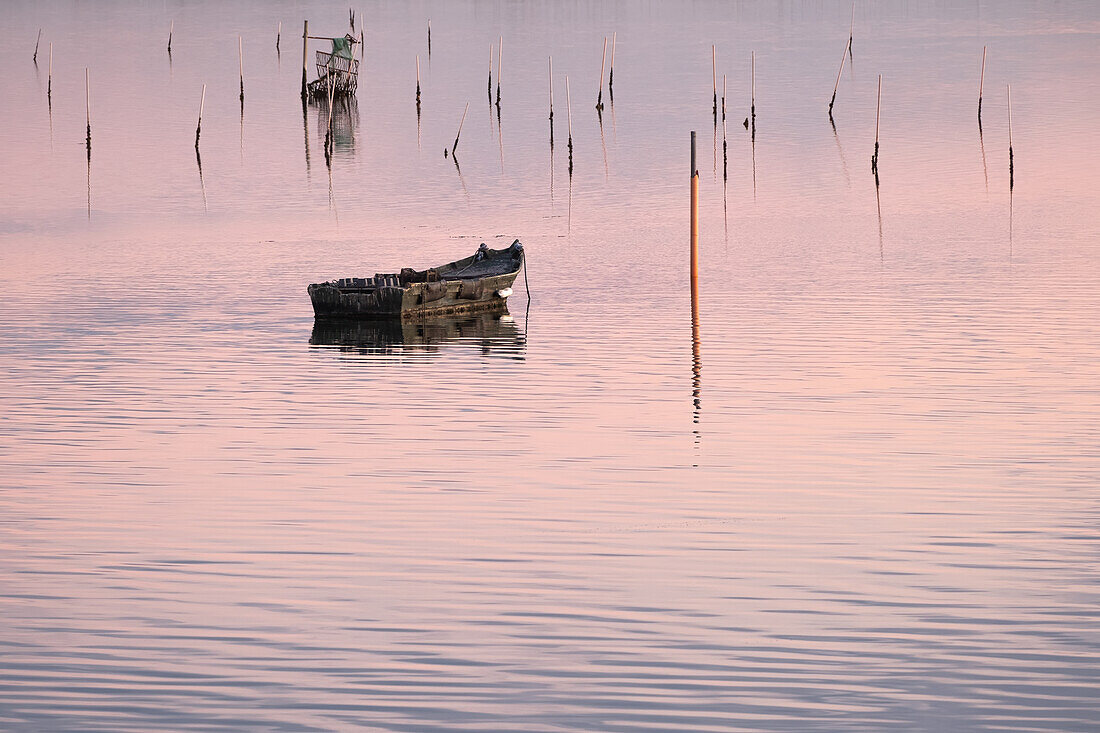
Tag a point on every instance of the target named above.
point(694, 218)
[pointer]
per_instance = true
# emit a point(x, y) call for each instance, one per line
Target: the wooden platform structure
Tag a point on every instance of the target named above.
point(337, 70)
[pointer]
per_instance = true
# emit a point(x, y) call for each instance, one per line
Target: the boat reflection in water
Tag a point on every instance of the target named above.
point(489, 333)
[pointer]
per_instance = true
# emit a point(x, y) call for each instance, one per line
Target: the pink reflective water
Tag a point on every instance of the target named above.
point(871, 502)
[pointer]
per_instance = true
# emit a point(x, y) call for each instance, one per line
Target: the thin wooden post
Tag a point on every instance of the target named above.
point(88, 110)
point(36, 42)
point(753, 72)
point(429, 38)
point(278, 36)
point(694, 217)
point(305, 52)
point(49, 79)
point(329, 147)
point(500, 71)
point(611, 76)
point(550, 74)
point(240, 61)
point(171, 29)
point(878, 111)
point(569, 122)
point(603, 60)
point(843, 58)
point(455, 146)
point(550, 77)
point(981, 86)
point(418, 82)
point(198, 127)
point(714, 80)
point(1010, 165)
point(725, 159)
point(490, 75)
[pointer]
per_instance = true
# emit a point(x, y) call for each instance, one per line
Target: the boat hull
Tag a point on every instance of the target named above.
point(440, 291)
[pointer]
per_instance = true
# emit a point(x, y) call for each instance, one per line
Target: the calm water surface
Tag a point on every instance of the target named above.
point(863, 497)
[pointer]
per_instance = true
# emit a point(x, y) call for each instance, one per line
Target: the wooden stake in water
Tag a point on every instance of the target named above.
point(328, 129)
point(330, 136)
point(49, 79)
point(550, 62)
point(455, 146)
point(611, 76)
point(569, 122)
point(753, 101)
point(851, 29)
point(603, 59)
point(88, 110)
point(694, 217)
point(198, 127)
point(305, 53)
point(490, 75)
point(714, 80)
point(171, 29)
point(1010, 171)
point(418, 83)
point(240, 61)
point(36, 42)
point(843, 57)
point(723, 98)
point(878, 111)
point(725, 159)
point(981, 86)
point(429, 38)
point(500, 53)
point(278, 36)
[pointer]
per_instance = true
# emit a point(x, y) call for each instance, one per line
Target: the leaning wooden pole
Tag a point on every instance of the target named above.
point(198, 127)
point(852, 29)
point(305, 52)
point(603, 60)
point(36, 42)
point(981, 86)
point(455, 146)
point(843, 58)
point(171, 30)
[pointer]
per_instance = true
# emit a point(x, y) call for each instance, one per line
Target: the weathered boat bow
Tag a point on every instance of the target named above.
point(480, 282)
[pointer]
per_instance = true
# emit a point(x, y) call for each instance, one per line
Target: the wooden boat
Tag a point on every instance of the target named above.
point(482, 281)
